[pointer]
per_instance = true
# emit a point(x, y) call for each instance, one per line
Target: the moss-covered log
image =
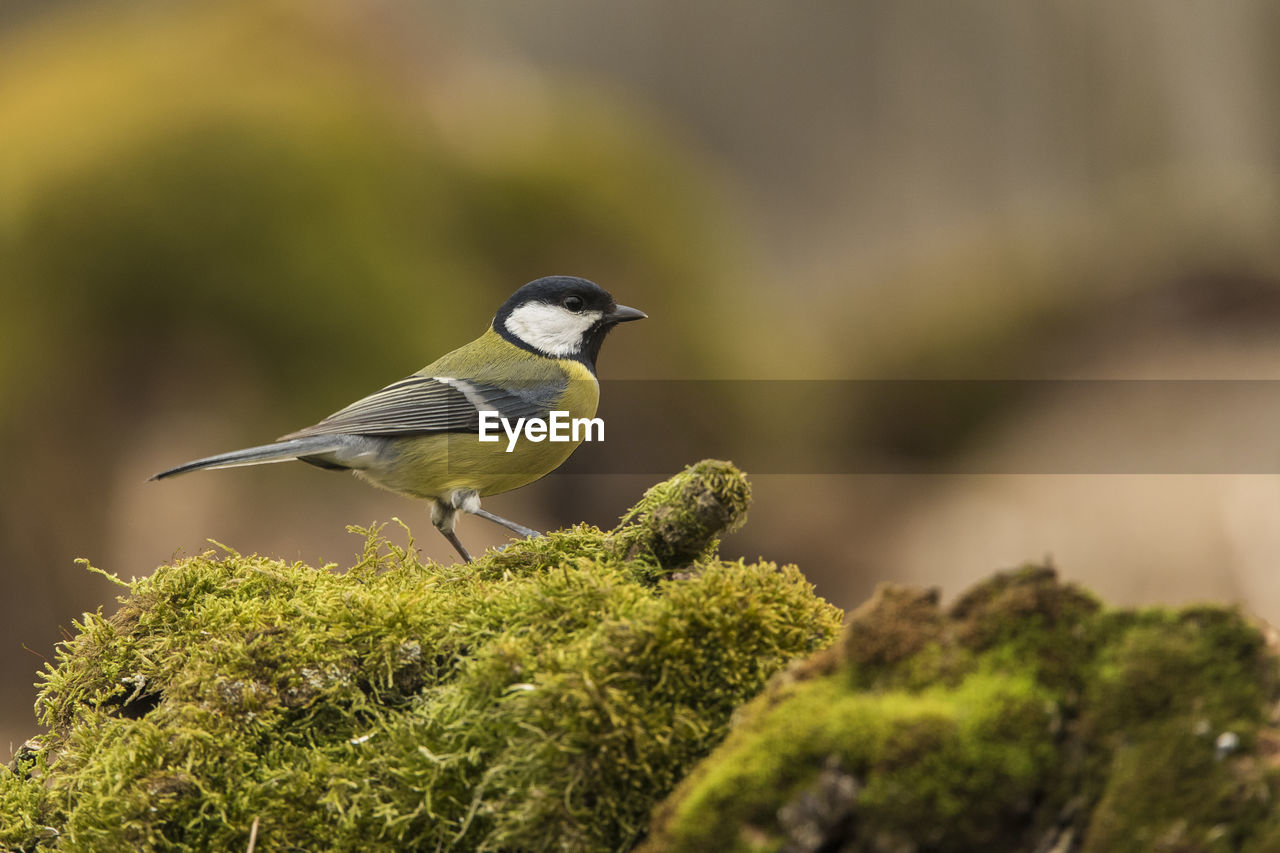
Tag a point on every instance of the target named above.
point(550, 695)
point(545, 697)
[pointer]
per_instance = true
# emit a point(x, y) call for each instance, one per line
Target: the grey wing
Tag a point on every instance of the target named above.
point(431, 404)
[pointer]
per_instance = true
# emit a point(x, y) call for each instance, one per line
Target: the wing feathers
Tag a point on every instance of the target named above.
point(429, 404)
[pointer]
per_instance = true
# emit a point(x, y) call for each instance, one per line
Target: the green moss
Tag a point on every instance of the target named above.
point(548, 695)
point(933, 765)
point(1024, 717)
point(1171, 791)
point(544, 697)
point(680, 520)
point(1202, 662)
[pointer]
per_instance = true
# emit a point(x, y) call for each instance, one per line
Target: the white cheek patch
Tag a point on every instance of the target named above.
point(550, 328)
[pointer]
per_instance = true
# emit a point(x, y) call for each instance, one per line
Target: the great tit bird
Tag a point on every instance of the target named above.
point(421, 436)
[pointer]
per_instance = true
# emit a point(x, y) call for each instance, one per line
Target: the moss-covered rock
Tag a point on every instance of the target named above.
point(1025, 717)
point(546, 696)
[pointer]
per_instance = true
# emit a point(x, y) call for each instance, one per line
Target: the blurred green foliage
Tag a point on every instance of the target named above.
point(252, 176)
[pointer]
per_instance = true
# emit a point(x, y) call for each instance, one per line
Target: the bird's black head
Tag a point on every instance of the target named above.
point(561, 316)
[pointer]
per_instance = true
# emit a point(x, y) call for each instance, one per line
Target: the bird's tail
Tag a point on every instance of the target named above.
point(280, 451)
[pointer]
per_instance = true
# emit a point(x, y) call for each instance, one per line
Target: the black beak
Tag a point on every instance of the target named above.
point(623, 314)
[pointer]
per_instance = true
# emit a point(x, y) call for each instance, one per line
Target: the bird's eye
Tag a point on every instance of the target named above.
point(573, 303)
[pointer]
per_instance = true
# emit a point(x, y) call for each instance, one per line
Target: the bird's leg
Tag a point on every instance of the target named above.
point(468, 500)
point(506, 522)
point(444, 516)
point(457, 545)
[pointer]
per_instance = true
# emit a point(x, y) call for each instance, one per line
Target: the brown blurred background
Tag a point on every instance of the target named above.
point(221, 221)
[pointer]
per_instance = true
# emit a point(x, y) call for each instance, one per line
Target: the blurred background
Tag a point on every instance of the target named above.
point(220, 221)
